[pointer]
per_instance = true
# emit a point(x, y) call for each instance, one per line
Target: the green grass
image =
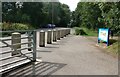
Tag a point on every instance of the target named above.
point(90, 32)
point(113, 48)
point(87, 32)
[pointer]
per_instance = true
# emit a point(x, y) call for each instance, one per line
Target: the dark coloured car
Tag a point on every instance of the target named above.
point(50, 26)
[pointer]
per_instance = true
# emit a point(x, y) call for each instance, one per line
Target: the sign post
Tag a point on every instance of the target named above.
point(103, 35)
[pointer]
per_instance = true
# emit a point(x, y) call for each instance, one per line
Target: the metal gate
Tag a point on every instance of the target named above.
point(27, 49)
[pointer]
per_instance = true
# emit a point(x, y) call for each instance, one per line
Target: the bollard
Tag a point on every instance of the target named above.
point(49, 37)
point(69, 31)
point(42, 39)
point(66, 32)
point(54, 36)
point(58, 34)
point(29, 40)
point(61, 33)
point(16, 39)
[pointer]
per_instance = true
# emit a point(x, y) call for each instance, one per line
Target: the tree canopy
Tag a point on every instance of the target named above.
point(94, 15)
point(36, 13)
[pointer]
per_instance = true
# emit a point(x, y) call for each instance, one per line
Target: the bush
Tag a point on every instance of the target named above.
point(15, 26)
point(80, 31)
point(5, 26)
point(18, 26)
point(77, 31)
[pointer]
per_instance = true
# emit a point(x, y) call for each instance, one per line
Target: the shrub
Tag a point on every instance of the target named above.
point(18, 26)
point(5, 26)
point(77, 31)
point(13, 26)
point(80, 31)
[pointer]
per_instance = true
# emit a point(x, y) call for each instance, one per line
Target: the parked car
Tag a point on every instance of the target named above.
point(50, 26)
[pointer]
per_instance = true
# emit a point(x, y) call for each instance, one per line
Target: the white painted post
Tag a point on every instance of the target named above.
point(69, 31)
point(61, 33)
point(16, 39)
point(54, 36)
point(64, 32)
point(49, 37)
point(58, 34)
point(42, 39)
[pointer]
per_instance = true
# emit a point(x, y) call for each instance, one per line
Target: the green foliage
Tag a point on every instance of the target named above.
point(86, 15)
point(14, 26)
point(37, 13)
point(17, 26)
point(84, 31)
point(79, 31)
point(113, 48)
point(90, 32)
point(97, 15)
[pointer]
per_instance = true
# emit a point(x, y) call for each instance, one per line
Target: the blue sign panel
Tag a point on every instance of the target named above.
point(103, 35)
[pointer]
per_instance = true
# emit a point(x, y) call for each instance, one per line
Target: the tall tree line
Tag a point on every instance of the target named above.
point(36, 13)
point(94, 15)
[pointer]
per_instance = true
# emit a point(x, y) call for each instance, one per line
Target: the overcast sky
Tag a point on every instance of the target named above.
point(71, 3)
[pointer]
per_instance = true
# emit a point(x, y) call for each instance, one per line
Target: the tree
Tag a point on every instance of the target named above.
point(37, 13)
point(97, 15)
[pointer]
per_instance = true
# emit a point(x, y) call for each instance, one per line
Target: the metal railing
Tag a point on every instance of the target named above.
point(7, 59)
point(27, 47)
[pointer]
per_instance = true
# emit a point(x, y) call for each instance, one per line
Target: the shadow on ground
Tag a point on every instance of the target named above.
point(111, 41)
point(51, 47)
point(38, 69)
point(43, 51)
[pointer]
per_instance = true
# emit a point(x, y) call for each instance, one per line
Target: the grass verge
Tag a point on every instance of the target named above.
point(85, 32)
point(113, 48)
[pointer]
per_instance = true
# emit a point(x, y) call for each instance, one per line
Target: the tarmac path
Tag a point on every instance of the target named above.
point(80, 57)
point(72, 55)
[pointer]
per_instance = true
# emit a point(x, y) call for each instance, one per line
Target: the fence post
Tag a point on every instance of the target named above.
point(42, 39)
point(54, 36)
point(34, 46)
point(16, 39)
point(29, 40)
point(49, 37)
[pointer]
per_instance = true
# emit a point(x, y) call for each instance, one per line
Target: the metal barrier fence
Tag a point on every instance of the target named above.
point(20, 47)
point(16, 49)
